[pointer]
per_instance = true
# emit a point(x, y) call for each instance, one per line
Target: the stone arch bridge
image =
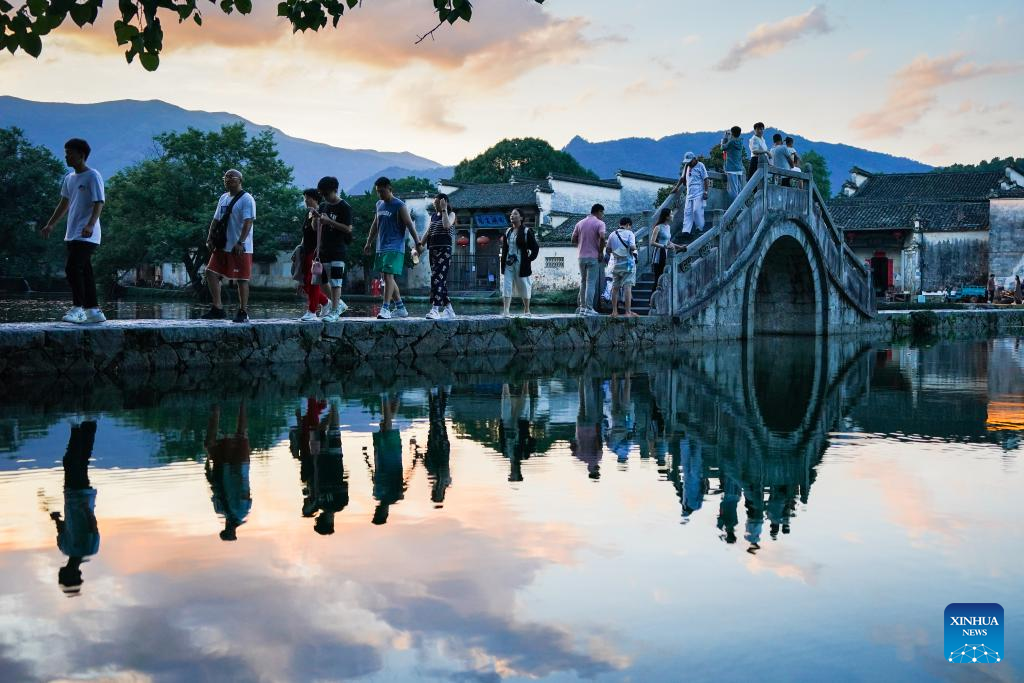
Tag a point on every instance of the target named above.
point(774, 263)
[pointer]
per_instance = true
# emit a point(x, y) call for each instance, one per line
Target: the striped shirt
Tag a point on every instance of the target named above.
point(437, 236)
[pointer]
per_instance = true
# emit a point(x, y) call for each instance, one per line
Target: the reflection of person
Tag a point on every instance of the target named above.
point(302, 446)
point(227, 470)
point(438, 462)
point(330, 487)
point(514, 429)
point(779, 510)
point(753, 495)
point(621, 428)
point(78, 535)
point(388, 484)
point(728, 513)
point(587, 446)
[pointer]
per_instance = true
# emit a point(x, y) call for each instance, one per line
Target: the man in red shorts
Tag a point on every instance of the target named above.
point(234, 261)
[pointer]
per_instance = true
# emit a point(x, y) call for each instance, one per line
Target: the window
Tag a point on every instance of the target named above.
point(554, 262)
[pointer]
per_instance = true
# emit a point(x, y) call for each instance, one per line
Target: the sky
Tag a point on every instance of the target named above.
point(899, 77)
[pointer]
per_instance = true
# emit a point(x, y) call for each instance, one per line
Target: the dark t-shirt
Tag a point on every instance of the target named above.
point(333, 241)
point(308, 234)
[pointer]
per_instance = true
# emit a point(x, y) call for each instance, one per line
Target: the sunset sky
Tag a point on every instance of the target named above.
point(899, 77)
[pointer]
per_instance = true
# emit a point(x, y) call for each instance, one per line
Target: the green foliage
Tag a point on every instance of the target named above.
point(819, 170)
point(411, 184)
point(159, 210)
point(139, 27)
point(662, 196)
point(530, 157)
point(30, 176)
point(994, 164)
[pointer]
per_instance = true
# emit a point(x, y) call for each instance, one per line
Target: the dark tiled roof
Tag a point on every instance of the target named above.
point(563, 233)
point(1014, 192)
point(644, 176)
point(862, 214)
point(938, 187)
point(493, 196)
point(613, 184)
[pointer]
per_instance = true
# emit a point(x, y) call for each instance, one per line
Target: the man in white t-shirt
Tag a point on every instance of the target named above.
point(622, 247)
point(233, 261)
point(82, 198)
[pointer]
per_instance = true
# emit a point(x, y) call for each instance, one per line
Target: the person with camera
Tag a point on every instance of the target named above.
point(438, 241)
point(519, 249)
point(229, 240)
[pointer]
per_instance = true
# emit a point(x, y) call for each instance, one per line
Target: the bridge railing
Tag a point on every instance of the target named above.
point(710, 259)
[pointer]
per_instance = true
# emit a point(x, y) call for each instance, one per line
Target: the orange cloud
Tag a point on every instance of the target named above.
point(768, 39)
point(913, 90)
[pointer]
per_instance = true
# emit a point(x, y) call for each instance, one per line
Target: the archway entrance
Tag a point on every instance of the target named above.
point(785, 301)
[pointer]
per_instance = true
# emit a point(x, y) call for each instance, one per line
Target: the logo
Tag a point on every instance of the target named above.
point(974, 633)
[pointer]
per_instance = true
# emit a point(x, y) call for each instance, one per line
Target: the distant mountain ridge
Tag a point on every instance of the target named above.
point(663, 156)
point(121, 134)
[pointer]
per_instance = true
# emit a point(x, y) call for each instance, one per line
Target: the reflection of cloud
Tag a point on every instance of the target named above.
point(912, 91)
point(768, 39)
point(779, 561)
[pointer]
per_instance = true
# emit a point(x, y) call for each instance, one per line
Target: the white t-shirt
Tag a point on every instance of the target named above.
point(244, 208)
point(621, 242)
point(82, 190)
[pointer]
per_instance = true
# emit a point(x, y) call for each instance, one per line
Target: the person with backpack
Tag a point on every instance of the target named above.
point(311, 235)
point(230, 242)
point(519, 249)
point(622, 248)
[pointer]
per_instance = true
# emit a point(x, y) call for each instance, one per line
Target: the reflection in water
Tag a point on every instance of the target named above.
point(707, 454)
point(227, 470)
point(78, 535)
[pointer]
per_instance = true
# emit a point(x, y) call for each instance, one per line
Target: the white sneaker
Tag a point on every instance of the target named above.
point(590, 311)
point(331, 317)
point(94, 315)
point(400, 311)
point(73, 314)
point(385, 313)
point(582, 310)
point(433, 314)
point(448, 313)
point(309, 317)
point(325, 311)
point(340, 311)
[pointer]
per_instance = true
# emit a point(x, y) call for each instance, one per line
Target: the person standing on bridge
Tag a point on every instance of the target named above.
point(589, 238)
point(230, 242)
point(758, 150)
point(698, 184)
point(82, 197)
point(780, 157)
point(733, 148)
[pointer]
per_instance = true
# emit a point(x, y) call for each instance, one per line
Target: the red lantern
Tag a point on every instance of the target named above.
point(483, 241)
point(463, 241)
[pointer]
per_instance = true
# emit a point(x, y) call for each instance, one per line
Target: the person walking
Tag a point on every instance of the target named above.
point(758, 150)
point(991, 287)
point(315, 298)
point(335, 236)
point(733, 148)
point(387, 232)
point(589, 238)
point(438, 242)
point(698, 184)
point(519, 249)
point(82, 198)
point(230, 242)
point(622, 247)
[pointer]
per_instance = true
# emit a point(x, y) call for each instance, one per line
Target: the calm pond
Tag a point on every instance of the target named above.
point(777, 511)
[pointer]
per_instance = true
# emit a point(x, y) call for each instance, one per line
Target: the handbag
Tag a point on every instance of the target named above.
point(316, 269)
point(219, 231)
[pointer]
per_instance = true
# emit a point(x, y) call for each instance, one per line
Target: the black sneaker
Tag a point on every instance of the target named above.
point(241, 317)
point(214, 314)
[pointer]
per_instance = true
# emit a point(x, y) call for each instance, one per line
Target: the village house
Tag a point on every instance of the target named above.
point(959, 226)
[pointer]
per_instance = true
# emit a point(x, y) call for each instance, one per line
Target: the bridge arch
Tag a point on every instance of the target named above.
point(786, 291)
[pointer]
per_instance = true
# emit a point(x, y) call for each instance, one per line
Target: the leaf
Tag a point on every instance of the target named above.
point(82, 15)
point(198, 18)
point(244, 6)
point(150, 60)
point(31, 44)
point(36, 7)
point(124, 32)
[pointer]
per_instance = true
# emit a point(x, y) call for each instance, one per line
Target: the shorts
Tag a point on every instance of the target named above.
point(623, 278)
point(390, 262)
point(513, 285)
point(335, 271)
point(230, 450)
point(230, 266)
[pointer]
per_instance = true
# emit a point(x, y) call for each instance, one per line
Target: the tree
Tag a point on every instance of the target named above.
point(819, 170)
point(411, 184)
point(530, 157)
point(159, 210)
point(994, 164)
point(140, 30)
point(30, 176)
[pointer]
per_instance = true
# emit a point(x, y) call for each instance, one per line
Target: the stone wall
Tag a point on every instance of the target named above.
point(1006, 238)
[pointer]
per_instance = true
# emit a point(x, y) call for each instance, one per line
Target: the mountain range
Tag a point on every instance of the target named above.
point(121, 133)
point(663, 156)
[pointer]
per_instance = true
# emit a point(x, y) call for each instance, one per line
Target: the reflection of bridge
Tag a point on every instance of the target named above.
point(775, 263)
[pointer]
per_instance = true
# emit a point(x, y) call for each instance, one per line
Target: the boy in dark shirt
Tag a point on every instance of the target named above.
point(336, 226)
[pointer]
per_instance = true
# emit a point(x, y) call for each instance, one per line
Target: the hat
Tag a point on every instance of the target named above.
point(688, 157)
